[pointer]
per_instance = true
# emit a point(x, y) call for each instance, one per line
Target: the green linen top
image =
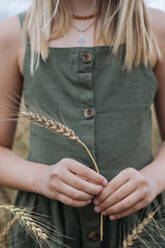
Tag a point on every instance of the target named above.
point(110, 111)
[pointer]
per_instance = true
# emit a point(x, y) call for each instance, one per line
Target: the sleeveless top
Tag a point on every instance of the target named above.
point(108, 108)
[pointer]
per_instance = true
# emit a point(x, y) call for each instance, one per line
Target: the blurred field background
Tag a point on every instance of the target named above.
point(13, 7)
point(20, 147)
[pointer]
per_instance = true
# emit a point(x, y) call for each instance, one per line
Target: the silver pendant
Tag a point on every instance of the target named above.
point(81, 40)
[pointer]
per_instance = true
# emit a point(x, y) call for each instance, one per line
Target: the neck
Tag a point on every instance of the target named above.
point(82, 7)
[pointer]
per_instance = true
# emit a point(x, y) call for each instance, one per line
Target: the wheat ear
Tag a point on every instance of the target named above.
point(130, 239)
point(27, 221)
point(4, 234)
point(65, 131)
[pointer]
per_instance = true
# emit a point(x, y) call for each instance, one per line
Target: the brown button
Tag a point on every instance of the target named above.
point(86, 58)
point(93, 236)
point(88, 113)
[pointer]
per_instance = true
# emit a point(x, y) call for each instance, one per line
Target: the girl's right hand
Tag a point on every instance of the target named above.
point(71, 182)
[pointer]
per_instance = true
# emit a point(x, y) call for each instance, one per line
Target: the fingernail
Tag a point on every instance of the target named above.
point(97, 209)
point(105, 182)
point(103, 213)
point(89, 201)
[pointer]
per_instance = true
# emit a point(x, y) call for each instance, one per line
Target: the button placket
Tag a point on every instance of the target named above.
point(86, 66)
point(90, 228)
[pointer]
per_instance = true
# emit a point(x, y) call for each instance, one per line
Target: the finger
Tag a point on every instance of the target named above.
point(124, 191)
point(141, 204)
point(80, 184)
point(71, 202)
point(88, 180)
point(86, 172)
point(111, 187)
point(124, 204)
point(69, 191)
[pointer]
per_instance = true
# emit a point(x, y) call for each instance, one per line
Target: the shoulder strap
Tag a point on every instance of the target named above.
point(21, 17)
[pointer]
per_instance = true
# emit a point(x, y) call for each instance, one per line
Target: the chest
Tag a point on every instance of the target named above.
point(88, 77)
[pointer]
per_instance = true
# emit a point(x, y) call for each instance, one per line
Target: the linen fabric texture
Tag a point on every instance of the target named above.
point(118, 134)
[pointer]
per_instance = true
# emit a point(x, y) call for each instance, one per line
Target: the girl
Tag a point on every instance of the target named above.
point(98, 63)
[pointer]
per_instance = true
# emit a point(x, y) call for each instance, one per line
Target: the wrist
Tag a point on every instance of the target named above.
point(153, 172)
point(40, 172)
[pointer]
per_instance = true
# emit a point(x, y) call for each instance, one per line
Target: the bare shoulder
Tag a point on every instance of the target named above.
point(10, 38)
point(157, 21)
point(11, 79)
point(10, 33)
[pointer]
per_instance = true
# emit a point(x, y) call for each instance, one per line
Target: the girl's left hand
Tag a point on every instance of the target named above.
point(126, 193)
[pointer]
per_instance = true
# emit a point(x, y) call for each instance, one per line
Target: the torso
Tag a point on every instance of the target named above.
point(69, 40)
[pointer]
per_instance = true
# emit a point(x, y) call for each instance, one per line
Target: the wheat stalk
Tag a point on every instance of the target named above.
point(130, 239)
point(35, 226)
point(49, 124)
point(5, 232)
point(27, 221)
point(65, 131)
point(56, 127)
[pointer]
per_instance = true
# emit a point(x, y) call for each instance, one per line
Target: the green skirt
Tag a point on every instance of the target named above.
point(79, 227)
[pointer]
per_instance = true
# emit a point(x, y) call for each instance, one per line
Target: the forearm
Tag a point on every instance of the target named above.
point(18, 173)
point(156, 169)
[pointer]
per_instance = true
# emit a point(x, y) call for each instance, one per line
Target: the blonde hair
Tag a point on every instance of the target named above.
point(122, 22)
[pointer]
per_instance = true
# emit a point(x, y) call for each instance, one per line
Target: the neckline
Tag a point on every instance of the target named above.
point(79, 49)
point(84, 47)
point(99, 49)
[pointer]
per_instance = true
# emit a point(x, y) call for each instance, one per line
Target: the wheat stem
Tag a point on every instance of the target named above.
point(90, 155)
point(97, 170)
point(5, 232)
point(129, 240)
point(65, 131)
